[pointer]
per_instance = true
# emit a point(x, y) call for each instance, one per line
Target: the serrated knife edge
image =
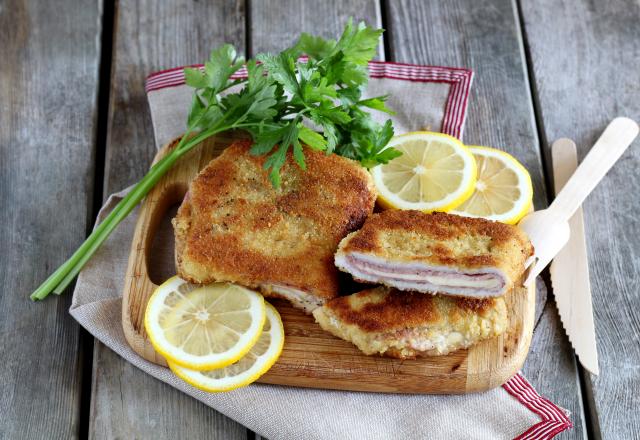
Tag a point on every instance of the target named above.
point(570, 272)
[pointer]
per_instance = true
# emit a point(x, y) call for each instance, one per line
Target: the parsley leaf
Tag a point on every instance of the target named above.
point(282, 69)
point(312, 139)
point(314, 47)
point(359, 43)
point(221, 65)
point(288, 104)
point(377, 103)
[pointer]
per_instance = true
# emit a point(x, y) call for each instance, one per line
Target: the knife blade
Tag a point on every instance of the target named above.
point(570, 270)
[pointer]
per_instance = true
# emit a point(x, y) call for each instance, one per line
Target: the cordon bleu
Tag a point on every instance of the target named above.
point(404, 325)
point(234, 226)
point(436, 253)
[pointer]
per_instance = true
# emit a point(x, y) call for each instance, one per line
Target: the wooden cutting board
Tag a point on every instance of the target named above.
point(311, 356)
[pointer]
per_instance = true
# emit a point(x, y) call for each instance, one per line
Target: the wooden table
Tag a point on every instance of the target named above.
point(75, 126)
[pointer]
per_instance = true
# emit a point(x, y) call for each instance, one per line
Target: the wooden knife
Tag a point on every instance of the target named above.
point(570, 269)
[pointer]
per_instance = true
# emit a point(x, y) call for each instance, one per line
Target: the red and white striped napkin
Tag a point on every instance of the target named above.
point(424, 97)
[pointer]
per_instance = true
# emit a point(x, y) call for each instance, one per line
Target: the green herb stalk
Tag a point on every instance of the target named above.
point(284, 103)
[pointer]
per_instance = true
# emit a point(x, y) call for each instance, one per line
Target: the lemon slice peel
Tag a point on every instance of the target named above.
point(503, 163)
point(273, 329)
point(162, 319)
point(444, 168)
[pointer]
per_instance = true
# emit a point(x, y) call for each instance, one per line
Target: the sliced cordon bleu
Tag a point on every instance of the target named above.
point(436, 253)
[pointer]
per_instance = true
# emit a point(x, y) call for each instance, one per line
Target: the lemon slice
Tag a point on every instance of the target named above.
point(203, 327)
point(435, 173)
point(249, 368)
point(503, 191)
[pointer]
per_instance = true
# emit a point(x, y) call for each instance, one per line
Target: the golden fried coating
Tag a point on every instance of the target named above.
point(234, 226)
point(404, 325)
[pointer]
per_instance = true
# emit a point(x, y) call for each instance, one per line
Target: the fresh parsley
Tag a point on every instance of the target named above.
point(286, 103)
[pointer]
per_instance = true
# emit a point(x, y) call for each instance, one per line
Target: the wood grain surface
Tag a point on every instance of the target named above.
point(586, 60)
point(579, 59)
point(150, 36)
point(485, 35)
point(48, 100)
point(326, 18)
point(312, 357)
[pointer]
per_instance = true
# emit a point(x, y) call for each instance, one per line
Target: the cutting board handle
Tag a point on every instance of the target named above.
point(312, 357)
point(138, 284)
point(169, 191)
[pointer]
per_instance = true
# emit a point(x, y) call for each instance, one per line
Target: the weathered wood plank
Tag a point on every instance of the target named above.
point(48, 95)
point(485, 36)
point(130, 404)
point(275, 25)
point(319, 18)
point(586, 60)
point(150, 36)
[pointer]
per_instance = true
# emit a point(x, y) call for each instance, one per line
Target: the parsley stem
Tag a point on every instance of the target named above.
point(125, 206)
point(234, 83)
point(62, 277)
point(280, 94)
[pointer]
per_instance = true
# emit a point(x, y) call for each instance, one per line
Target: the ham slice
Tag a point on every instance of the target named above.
point(298, 298)
point(481, 283)
point(436, 253)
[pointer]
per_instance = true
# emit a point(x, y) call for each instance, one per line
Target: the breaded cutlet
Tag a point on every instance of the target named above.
point(234, 226)
point(436, 253)
point(404, 325)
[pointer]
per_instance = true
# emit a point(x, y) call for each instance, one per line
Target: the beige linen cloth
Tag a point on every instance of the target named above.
point(423, 99)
